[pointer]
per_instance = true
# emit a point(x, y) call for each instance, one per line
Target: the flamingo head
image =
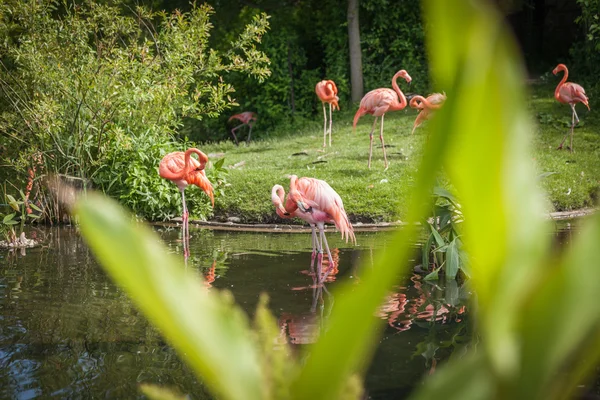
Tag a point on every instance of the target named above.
point(559, 67)
point(403, 74)
point(277, 195)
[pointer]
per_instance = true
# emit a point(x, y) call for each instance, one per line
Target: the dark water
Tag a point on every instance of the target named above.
point(67, 331)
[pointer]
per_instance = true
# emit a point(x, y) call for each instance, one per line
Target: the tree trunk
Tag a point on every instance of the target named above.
point(356, 77)
point(291, 72)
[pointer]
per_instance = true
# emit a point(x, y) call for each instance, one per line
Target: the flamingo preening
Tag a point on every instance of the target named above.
point(426, 106)
point(379, 101)
point(183, 170)
point(327, 93)
point(569, 93)
point(314, 201)
point(247, 118)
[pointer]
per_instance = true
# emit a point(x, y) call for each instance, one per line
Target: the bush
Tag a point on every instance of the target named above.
point(100, 94)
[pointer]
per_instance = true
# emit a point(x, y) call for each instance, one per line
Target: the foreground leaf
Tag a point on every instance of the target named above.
point(207, 329)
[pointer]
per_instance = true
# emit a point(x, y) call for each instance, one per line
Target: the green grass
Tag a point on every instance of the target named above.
point(576, 180)
point(376, 195)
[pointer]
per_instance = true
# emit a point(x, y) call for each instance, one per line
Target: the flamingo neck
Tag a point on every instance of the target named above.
point(418, 102)
point(562, 82)
point(202, 158)
point(402, 104)
point(277, 197)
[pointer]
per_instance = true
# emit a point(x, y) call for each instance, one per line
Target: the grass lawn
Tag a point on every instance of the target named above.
point(376, 195)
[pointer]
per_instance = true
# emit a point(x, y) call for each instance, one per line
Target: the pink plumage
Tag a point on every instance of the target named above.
point(315, 202)
point(569, 93)
point(379, 101)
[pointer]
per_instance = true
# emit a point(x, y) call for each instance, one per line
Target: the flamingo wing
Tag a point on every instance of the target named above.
point(572, 93)
point(319, 195)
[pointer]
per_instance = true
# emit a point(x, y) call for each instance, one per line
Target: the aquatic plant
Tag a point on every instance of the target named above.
point(443, 248)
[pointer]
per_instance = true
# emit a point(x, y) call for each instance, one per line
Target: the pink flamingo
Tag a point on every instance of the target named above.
point(183, 170)
point(247, 118)
point(327, 93)
point(569, 93)
point(379, 101)
point(314, 201)
point(426, 106)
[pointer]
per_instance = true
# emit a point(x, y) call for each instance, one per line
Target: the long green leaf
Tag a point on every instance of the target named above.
point(561, 322)
point(210, 332)
point(452, 261)
point(485, 115)
point(342, 351)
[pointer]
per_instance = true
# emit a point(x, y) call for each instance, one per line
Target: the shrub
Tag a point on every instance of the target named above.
point(91, 88)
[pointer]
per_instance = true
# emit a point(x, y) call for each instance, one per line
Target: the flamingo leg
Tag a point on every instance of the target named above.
point(184, 220)
point(324, 240)
point(574, 120)
point(417, 122)
point(371, 141)
point(315, 243)
point(330, 122)
point(324, 125)
point(249, 133)
point(382, 143)
point(233, 133)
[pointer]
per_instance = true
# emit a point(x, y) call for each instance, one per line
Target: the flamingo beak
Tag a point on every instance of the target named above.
point(283, 210)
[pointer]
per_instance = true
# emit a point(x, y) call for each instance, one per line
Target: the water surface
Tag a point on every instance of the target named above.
point(66, 330)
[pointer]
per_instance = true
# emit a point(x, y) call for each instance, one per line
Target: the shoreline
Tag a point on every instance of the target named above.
point(358, 226)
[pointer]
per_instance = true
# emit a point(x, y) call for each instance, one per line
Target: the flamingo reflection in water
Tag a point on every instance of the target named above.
point(306, 328)
point(401, 311)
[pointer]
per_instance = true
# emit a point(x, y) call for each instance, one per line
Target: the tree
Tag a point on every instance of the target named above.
point(356, 78)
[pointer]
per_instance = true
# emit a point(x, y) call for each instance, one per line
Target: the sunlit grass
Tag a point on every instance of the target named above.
point(376, 195)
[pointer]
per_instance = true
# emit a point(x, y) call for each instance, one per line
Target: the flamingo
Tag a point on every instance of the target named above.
point(183, 170)
point(314, 201)
point(327, 93)
point(569, 93)
point(247, 118)
point(379, 101)
point(426, 106)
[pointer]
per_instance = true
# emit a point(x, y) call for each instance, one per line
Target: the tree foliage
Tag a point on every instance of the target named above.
point(89, 85)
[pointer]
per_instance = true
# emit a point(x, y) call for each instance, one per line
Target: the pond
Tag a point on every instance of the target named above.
point(66, 330)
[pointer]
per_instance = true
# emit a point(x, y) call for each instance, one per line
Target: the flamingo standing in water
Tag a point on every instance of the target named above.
point(379, 101)
point(426, 106)
point(314, 201)
point(247, 118)
point(569, 93)
point(183, 170)
point(327, 93)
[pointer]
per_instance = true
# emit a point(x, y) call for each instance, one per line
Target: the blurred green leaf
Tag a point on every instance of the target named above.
point(160, 393)
point(561, 322)
point(476, 63)
point(206, 328)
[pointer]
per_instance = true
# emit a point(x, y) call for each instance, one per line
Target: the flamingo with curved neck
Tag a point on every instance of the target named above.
point(426, 106)
point(379, 101)
point(183, 170)
point(569, 93)
point(327, 92)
